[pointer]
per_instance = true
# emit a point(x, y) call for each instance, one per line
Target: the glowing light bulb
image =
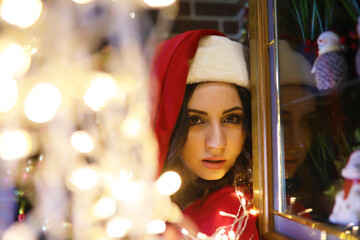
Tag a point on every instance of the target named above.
point(201, 235)
point(156, 226)
point(159, 3)
point(8, 92)
point(231, 235)
point(42, 103)
point(14, 60)
point(105, 207)
point(118, 227)
point(131, 127)
point(82, 1)
point(168, 183)
point(253, 212)
point(14, 144)
point(22, 13)
point(82, 142)
point(102, 88)
point(84, 178)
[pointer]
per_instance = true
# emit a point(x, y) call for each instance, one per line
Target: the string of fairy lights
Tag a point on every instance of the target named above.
point(75, 137)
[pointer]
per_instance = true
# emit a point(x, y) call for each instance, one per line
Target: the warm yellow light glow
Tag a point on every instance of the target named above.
point(159, 3)
point(118, 227)
point(105, 207)
point(84, 178)
point(22, 13)
point(168, 183)
point(128, 191)
point(82, 1)
point(8, 92)
point(156, 226)
point(131, 127)
point(42, 103)
point(103, 87)
point(14, 144)
point(254, 212)
point(82, 142)
point(14, 60)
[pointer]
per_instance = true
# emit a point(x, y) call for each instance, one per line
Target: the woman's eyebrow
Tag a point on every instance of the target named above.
point(197, 111)
point(233, 109)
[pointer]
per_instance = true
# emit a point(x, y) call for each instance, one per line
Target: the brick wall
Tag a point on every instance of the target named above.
point(227, 16)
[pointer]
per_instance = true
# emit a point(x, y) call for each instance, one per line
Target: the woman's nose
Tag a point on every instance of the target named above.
point(215, 139)
point(294, 138)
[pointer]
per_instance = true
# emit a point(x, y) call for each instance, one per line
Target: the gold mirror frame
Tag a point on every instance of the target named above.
point(262, 131)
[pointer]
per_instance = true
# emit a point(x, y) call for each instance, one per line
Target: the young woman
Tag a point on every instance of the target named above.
point(203, 126)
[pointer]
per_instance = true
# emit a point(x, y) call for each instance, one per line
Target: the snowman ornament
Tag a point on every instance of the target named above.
point(330, 67)
point(347, 202)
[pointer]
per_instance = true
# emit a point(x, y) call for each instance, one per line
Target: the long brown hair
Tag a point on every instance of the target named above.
point(194, 188)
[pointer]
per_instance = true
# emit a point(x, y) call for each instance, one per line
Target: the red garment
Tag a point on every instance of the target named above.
point(205, 213)
point(169, 70)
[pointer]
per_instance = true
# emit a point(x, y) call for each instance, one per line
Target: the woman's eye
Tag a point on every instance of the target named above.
point(233, 118)
point(195, 120)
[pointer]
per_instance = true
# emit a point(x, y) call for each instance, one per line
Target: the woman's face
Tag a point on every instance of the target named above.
point(216, 137)
point(298, 115)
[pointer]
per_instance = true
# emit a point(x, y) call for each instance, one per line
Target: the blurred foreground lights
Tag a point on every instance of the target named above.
point(42, 103)
point(105, 207)
point(82, 141)
point(168, 183)
point(8, 92)
point(14, 144)
point(128, 192)
point(159, 3)
point(14, 60)
point(22, 13)
point(156, 226)
point(131, 127)
point(84, 178)
point(19, 231)
point(102, 88)
point(118, 227)
point(82, 1)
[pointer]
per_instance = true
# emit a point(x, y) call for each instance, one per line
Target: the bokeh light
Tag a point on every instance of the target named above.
point(42, 103)
point(14, 60)
point(84, 178)
point(156, 226)
point(14, 144)
point(168, 183)
point(131, 127)
point(103, 87)
point(104, 207)
point(159, 3)
point(82, 141)
point(8, 92)
point(82, 1)
point(118, 227)
point(22, 13)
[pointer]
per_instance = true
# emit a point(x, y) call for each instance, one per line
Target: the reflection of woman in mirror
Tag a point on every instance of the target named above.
point(307, 172)
point(202, 122)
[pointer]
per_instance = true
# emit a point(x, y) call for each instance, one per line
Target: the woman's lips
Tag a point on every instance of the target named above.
point(213, 163)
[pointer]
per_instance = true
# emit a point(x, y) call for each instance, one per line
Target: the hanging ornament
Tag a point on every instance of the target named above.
point(330, 66)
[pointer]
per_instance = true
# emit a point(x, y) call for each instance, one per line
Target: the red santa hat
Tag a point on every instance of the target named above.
point(191, 57)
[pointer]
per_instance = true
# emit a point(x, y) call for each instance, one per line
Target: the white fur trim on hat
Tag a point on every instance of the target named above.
point(219, 59)
point(294, 68)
